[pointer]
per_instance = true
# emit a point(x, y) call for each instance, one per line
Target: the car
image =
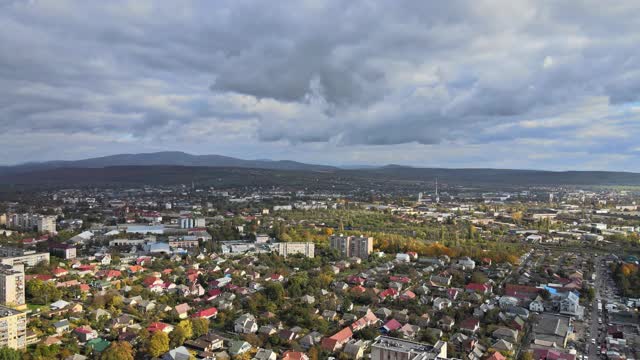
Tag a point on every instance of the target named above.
point(593, 341)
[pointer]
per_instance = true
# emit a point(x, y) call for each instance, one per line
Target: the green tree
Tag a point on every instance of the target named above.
point(42, 293)
point(177, 337)
point(118, 350)
point(9, 354)
point(200, 326)
point(158, 344)
point(274, 292)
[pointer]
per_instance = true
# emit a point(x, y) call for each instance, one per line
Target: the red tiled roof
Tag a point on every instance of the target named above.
point(157, 326)
point(388, 292)
point(521, 291)
point(547, 354)
point(293, 355)
point(83, 330)
point(337, 339)
point(402, 279)
point(392, 324)
point(206, 313)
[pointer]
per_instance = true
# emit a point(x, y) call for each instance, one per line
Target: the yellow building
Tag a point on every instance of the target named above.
point(13, 328)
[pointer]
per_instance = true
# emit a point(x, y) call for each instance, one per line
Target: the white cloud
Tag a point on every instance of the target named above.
point(459, 80)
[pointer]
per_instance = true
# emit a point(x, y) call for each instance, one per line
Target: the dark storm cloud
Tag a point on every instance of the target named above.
point(345, 73)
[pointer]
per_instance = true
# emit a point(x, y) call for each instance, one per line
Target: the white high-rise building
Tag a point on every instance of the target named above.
point(46, 224)
point(12, 286)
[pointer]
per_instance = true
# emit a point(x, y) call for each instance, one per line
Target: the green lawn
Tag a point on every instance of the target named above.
point(34, 308)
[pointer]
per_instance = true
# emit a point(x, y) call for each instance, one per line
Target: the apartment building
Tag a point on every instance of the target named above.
point(14, 256)
point(64, 251)
point(46, 224)
point(388, 348)
point(352, 246)
point(190, 222)
point(13, 328)
point(290, 248)
point(12, 286)
point(188, 241)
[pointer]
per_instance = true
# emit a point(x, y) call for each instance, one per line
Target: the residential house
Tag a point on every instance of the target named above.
point(182, 310)
point(441, 303)
point(391, 325)
point(207, 313)
point(502, 345)
point(61, 326)
point(505, 334)
point(355, 349)
point(409, 331)
point(337, 340)
point(312, 339)
point(537, 305)
point(446, 323)
point(246, 324)
point(470, 325)
point(265, 354)
point(239, 347)
point(294, 355)
point(85, 333)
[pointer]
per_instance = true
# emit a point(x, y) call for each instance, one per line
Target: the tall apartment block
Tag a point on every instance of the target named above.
point(13, 328)
point(46, 224)
point(352, 246)
point(27, 221)
point(12, 285)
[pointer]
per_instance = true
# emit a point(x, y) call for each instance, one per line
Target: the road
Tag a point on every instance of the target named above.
point(593, 328)
point(604, 290)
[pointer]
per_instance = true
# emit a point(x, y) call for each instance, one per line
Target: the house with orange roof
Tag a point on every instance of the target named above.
point(159, 326)
point(337, 340)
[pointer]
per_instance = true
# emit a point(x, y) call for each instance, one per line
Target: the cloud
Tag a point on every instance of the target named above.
point(293, 76)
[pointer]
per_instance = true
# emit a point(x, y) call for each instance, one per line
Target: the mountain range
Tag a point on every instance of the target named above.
point(180, 167)
point(164, 158)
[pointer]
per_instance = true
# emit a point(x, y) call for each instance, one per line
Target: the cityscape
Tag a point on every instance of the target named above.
point(319, 180)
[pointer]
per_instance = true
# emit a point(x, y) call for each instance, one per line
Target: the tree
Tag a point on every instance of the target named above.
point(526, 355)
point(274, 292)
point(118, 350)
point(187, 327)
point(177, 337)
point(479, 277)
point(9, 354)
point(182, 332)
point(314, 353)
point(42, 293)
point(200, 326)
point(517, 216)
point(158, 343)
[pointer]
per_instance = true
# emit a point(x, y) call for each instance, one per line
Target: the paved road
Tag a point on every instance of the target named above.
point(594, 332)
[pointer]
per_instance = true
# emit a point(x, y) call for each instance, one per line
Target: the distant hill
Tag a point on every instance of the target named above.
point(180, 168)
point(165, 158)
point(474, 176)
point(336, 179)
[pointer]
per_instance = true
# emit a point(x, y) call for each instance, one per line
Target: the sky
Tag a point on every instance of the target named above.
point(541, 84)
